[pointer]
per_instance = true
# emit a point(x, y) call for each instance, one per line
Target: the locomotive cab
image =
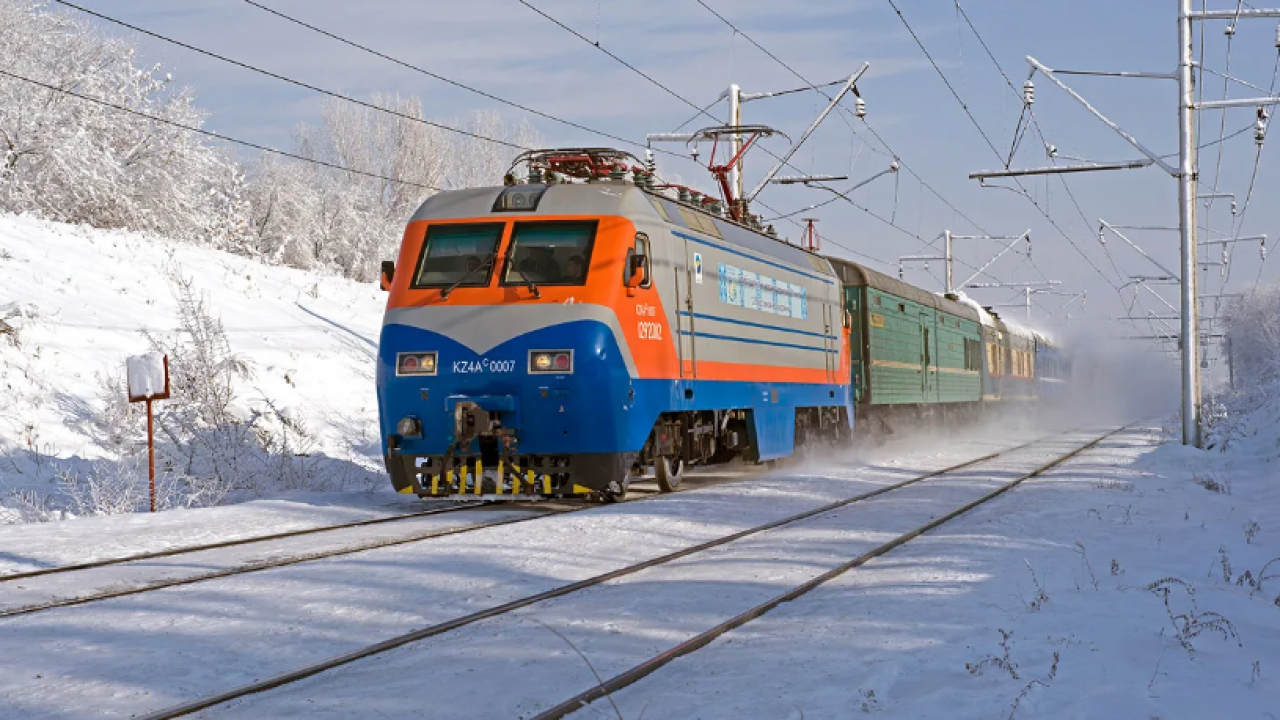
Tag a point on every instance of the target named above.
point(500, 370)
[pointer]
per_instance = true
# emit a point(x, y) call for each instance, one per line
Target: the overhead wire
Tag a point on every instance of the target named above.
point(686, 101)
point(891, 222)
point(212, 134)
point(1039, 132)
point(292, 81)
point(442, 78)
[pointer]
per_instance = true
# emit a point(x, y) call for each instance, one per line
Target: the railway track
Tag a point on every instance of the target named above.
point(375, 649)
point(187, 549)
point(538, 509)
point(655, 663)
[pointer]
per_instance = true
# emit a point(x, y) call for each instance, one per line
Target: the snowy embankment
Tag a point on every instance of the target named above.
point(76, 301)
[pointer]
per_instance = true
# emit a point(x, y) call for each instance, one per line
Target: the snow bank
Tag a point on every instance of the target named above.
point(77, 301)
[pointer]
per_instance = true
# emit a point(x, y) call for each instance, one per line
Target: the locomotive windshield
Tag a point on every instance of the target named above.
point(459, 255)
point(550, 253)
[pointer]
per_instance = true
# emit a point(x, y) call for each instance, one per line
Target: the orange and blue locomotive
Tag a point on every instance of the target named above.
point(562, 333)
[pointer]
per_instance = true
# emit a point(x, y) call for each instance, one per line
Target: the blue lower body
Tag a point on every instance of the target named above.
point(598, 411)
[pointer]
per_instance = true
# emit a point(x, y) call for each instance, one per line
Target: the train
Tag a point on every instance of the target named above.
point(583, 324)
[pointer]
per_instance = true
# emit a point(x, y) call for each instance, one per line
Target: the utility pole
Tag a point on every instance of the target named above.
point(1185, 173)
point(950, 286)
point(735, 119)
point(1187, 229)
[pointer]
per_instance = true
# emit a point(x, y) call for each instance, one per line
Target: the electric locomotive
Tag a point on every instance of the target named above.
point(563, 332)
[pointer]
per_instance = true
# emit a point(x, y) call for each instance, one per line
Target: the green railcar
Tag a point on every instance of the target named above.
point(909, 347)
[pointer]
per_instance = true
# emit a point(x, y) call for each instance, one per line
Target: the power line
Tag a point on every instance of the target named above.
point(839, 195)
point(210, 133)
point(700, 111)
point(291, 81)
point(449, 81)
point(983, 133)
point(943, 75)
point(624, 63)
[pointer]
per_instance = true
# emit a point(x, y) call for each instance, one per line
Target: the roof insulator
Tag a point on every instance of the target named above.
point(683, 194)
point(535, 175)
point(860, 108)
point(1029, 92)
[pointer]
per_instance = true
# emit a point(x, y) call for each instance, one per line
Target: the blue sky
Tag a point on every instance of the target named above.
point(505, 48)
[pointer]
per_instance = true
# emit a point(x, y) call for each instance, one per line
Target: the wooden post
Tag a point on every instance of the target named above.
point(148, 394)
point(151, 455)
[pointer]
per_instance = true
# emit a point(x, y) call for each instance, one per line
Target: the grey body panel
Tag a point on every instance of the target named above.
point(483, 327)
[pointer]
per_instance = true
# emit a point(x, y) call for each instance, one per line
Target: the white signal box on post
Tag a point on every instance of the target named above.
point(148, 377)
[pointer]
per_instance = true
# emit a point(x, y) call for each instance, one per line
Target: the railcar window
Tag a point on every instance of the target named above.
point(550, 253)
point(459, 254)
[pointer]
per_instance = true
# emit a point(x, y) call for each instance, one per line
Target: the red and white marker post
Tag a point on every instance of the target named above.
point(148, 381)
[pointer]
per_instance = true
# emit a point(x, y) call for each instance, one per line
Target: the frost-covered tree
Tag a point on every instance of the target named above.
point(312, 216)
point(73, 160)
point(1253, 329)
point(77, 161)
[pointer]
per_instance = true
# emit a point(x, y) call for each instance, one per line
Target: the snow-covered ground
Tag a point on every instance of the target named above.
point(80, 299)
point(1050, 602)
point(140, 653)
point(1073, 563)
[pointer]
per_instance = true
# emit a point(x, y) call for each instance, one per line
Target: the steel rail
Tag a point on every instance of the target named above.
point(271, 564)
point(227, 543)
point(702, 640)
point(644, 494)
point(292, 676)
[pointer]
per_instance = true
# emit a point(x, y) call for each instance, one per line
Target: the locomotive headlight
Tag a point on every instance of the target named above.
point(551, 361)
point(416, 363)
point(409, 427)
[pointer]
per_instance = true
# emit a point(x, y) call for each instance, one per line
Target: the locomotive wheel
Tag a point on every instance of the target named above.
point(617, 490)
point(670, 471)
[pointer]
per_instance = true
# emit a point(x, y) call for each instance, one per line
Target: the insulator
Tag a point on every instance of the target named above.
point(1233, 207)
point(1278, 36)
point(1264, 249)
point(1102, 236)
point(1029, 92)
point(860, 108)
point(901, 276)
point(1230, 30)
point(1260, 131)
point(649, 163)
